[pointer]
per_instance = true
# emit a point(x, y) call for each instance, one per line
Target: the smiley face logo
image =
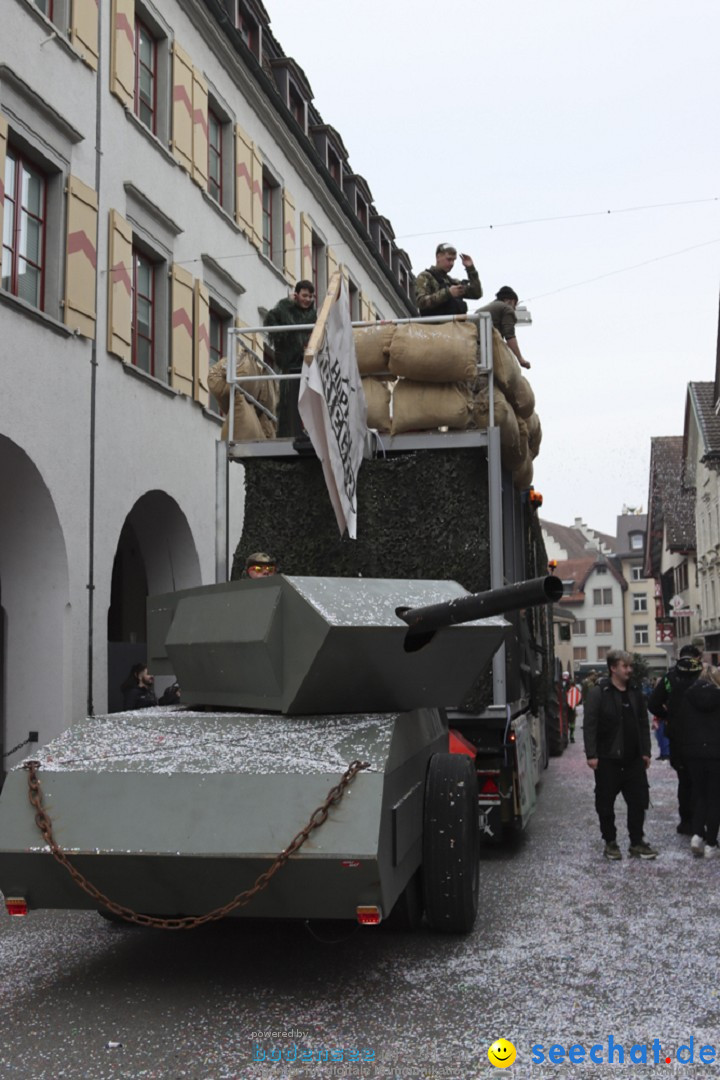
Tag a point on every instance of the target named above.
point(501, 1054)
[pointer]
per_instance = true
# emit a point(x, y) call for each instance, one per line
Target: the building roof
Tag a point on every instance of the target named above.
point(575, 542)
point(579, 570)
point(627, 524)
point(703, 397)
point(671, 503)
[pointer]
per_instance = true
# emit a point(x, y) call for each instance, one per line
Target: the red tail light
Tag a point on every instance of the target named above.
point(369, 915)
point(489, 786)
point(16, 905)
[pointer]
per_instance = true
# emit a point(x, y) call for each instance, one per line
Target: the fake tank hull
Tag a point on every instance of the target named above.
point(175, 813)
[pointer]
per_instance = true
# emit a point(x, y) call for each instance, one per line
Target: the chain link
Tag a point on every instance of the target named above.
point(19, 746)
point(189, 922)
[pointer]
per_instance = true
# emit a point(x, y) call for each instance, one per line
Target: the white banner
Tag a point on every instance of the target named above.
point(332, 404)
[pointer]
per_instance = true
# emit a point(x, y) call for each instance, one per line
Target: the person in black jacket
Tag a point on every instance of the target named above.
point(665, 702)
point(137, 689)
point(617, 748)
point(698, 731)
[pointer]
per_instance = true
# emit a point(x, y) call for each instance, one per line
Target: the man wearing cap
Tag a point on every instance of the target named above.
point(502, 313)
point(436, 293)
point(260, 565)
point(665, 702)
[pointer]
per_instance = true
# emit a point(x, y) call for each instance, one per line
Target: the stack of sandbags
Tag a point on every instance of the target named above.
point(513, 430)
point(372, 347)
point(377, 396)
point(249, 422)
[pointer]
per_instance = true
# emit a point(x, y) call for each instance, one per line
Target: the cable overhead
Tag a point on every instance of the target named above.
point(622, 270)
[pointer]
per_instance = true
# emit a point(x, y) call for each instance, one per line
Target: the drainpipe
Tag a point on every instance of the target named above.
point(93, 383)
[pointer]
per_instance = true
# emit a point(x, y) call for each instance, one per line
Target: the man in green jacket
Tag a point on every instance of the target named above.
point(436, 293)
point(289, 348)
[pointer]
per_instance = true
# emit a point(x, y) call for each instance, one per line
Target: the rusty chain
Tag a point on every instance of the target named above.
point(189, 922)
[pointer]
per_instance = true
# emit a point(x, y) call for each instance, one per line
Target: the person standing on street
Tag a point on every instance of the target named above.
point(665, 702)
point(617, 748)
point(698, 733)
point(436, 293)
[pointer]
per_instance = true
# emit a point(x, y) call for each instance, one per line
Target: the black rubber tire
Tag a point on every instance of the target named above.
point(451, 844)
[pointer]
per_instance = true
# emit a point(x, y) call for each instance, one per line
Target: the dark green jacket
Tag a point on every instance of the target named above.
point(289, 348)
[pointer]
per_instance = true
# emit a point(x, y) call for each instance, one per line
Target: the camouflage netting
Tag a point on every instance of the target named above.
point(421, 515)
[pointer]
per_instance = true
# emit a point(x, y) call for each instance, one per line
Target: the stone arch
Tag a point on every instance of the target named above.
point(36, 638)
point(155, 553)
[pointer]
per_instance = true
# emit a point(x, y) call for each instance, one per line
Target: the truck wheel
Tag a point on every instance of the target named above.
point(451, 844)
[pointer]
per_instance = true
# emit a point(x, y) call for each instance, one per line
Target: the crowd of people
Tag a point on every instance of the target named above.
point(685, 706)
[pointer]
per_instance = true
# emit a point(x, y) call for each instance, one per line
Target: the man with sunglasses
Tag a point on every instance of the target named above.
point(260, 565)
point(436, 293)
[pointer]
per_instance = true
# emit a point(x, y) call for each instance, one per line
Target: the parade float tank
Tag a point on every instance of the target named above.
point(307, 776)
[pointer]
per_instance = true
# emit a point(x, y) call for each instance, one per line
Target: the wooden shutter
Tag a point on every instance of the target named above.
point(202, 343)
point(257, 198)
point(122, 51)
point(182, 334)
point(81, 257)
point(253, 342)
point(181, 143)
point(305, 248)
point(200, 130)
point(243, 181)
point(119, 341)
point(332, 263)
point(289, 238)
point(84, 30)
point(3, 152)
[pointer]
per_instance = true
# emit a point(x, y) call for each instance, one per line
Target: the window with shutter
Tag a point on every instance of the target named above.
point(200, 148)
point(24, 224)
point(182, 106)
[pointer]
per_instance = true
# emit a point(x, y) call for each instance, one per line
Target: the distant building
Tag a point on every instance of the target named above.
point(701, 450)
point(640, 633)
point(670, 545)
point(594, 589)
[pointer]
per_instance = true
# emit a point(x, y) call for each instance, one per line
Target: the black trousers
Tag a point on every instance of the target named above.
point(613, 778)
point(705, 777)
point(685, 786)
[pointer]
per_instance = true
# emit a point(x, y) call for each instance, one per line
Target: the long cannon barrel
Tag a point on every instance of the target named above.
point(425, 620)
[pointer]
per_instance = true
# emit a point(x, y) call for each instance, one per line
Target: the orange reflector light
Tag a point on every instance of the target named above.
point(16, 905)
point(369, 915)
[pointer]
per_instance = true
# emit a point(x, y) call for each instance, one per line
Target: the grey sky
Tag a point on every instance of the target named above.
point(522, 110)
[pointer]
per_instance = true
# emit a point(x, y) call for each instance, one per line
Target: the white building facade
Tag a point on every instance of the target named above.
point(164, 175)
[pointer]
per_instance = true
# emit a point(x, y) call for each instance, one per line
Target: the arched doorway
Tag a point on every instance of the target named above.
point(35, 628)
point(156, 553)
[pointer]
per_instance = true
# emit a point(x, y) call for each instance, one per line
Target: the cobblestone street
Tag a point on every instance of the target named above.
point(569, 950)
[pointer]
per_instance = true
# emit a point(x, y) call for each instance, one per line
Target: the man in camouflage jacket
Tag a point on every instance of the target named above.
point(436, 293)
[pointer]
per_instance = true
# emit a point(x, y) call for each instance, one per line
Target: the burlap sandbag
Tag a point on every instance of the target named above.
point(435, 352)
point(505, 368)
point(372, 347)
point(513, 429)
point(534, 434)
point(524, 398)
point(377, 396)
point(249, 423)
point(513, 440)
point(421, 406)
point(522, 477)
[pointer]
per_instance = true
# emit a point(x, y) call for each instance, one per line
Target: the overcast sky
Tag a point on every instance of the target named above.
point(493, 113)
